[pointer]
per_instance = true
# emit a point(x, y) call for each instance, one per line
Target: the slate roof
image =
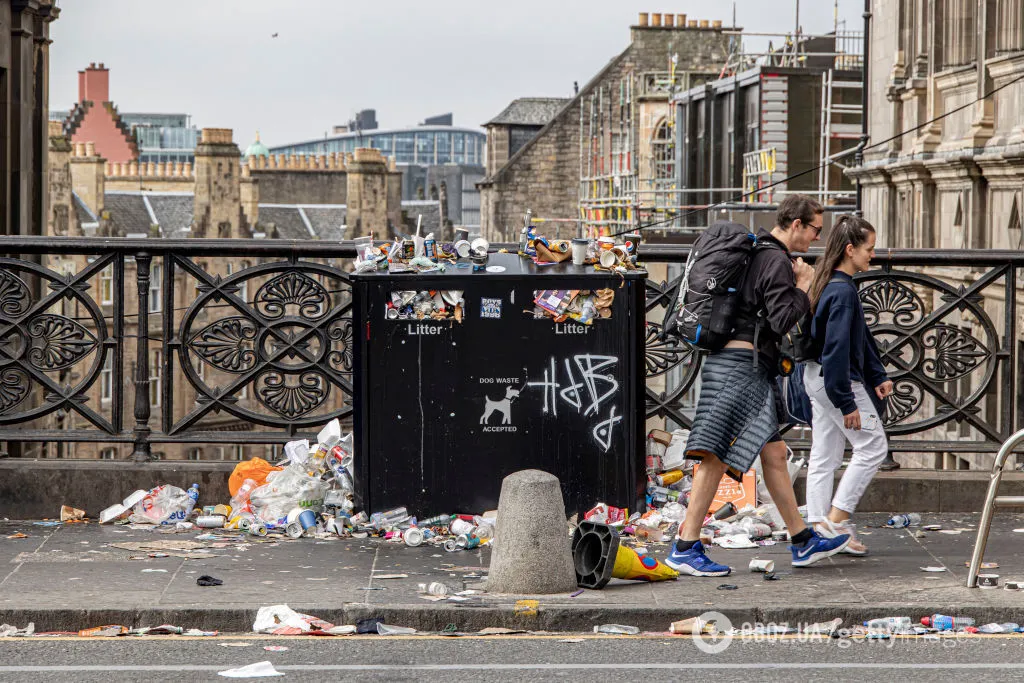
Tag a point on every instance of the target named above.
point(286, 219)
point(327, 220)
point(83, 212)
point(128, 212)
point(430, 209)
point(173, 211)
point(529, 111)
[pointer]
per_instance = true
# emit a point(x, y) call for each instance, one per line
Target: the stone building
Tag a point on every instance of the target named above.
point(219, 197)
point(957, 183)
point(621, 107)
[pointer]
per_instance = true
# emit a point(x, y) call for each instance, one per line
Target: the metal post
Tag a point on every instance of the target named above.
point(142, 452)
point(865, 89)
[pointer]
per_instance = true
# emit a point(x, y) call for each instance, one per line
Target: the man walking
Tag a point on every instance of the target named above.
point(736, 412)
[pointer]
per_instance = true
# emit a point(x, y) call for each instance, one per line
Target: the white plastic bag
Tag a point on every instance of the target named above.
point(673, 458)
point(159, 505)
point(287, 489)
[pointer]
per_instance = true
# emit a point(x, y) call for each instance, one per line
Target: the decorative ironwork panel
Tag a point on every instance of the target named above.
point(663, 356)
point(926, 348)
point(291, 344)
point(42, 353)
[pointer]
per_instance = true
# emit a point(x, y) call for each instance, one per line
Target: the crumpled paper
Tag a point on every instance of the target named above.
point(257, 670)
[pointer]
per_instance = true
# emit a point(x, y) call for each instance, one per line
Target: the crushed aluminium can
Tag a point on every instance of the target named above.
point(294, 530)
point(257, 529)
point(210, 521)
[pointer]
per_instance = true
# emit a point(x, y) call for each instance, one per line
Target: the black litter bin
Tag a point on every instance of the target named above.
point(446, 409)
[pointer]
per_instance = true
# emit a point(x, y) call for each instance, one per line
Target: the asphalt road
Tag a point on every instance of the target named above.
point(510, 658)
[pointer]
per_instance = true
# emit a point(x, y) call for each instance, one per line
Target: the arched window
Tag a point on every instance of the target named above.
point(663, 151)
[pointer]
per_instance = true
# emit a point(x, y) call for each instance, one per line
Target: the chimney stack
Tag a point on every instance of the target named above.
point(217, 206)
point(94, 84)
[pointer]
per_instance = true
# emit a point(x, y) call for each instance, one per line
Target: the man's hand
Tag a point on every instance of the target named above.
point(803, 273)
point(852, 421)
point(884, 389)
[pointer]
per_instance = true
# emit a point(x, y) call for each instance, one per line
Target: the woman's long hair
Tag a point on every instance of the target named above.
point(846, 230)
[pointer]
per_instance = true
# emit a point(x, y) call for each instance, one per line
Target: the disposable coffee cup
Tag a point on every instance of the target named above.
point(766, 566)
point(988, 580)
point(461, 234)
point(579, 251)
point(462, 248)
point(605, 243)
point(632, 241)
point(609, 259)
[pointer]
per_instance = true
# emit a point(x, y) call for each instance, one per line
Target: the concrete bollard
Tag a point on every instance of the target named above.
point(531, 542)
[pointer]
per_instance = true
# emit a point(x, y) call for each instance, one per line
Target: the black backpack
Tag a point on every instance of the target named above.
point(704, 310)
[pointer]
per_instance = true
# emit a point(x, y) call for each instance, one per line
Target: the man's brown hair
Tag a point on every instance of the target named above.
point(797, 207)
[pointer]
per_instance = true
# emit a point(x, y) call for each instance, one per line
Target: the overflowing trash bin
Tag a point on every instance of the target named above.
point(465, 375)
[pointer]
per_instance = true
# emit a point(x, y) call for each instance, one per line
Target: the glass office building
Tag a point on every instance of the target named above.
point(422, 145)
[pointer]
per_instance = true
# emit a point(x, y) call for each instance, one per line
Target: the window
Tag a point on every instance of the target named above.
point(108, 454)
point(663, 151)
point(238, 452)
point(444, 147)
point(195, 454)
point(958, 27)
point(424, 148)
point(243, 286)
point(155, 367)
point(107, 286)
point(155, 289)
point(107, 378)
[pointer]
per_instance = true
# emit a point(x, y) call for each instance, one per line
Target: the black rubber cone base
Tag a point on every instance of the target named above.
point(594, 547)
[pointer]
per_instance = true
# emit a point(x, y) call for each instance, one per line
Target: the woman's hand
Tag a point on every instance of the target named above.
point(884, 389)
point(852, 421)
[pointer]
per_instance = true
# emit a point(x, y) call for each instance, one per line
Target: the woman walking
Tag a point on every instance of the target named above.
point(847, 387)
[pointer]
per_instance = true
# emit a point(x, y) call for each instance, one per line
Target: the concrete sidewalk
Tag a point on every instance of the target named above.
point(68, 578)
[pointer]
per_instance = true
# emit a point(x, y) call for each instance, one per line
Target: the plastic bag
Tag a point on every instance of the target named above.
point(160, 504)
point(256, 469)
point(674, 454)
point(285, 490)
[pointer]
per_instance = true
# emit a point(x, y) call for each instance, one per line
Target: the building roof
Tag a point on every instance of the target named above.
point(379, 131)
point(256, 149)
point(84, 213)
point(128, 212)
point(173, 211)
point(529, 111)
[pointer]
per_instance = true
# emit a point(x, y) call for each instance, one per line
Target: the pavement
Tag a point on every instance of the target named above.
point(69, 577)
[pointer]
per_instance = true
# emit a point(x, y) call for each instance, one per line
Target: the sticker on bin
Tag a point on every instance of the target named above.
point(490, 308)
point(579, 305)
point(440, 305)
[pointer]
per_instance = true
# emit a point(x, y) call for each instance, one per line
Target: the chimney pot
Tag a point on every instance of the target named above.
point(656, 19)
point(703, 23)
point(681, 20)
point(643, 19)
point(101, 65)
point(133, 168)
point(668, 20)
point(692, 23)
point(90, 149)
point(92, 65)
point(79, 149)
point(717, 23)
point(186, 169)
point(177, 169)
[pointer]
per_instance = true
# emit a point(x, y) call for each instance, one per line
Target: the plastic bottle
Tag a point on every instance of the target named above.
point(900, 521)
point(941, 622)
point(379, 520)
point(889, 623)
point(240, 501)
point(193, 498)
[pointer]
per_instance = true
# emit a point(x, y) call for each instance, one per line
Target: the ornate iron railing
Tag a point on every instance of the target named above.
point(238, 354)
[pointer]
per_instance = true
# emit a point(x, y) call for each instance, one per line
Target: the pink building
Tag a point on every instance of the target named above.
point(95, 118)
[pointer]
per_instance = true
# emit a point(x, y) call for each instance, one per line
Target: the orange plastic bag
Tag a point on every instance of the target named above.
point(256, 469)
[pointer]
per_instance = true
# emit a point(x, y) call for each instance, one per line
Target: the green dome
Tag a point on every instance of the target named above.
point(257, 148)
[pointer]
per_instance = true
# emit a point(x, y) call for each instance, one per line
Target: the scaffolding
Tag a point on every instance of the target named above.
point(608, 175)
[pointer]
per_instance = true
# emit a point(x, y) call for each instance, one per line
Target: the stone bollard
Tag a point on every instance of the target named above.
point(531, 542)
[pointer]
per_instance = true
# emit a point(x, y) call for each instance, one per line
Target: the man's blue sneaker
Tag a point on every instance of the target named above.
point(818, 548)
point(695, 563)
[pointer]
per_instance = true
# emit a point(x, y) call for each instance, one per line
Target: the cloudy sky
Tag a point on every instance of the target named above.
point(408, 59)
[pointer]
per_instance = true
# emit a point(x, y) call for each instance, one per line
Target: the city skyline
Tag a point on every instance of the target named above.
point(227, 69)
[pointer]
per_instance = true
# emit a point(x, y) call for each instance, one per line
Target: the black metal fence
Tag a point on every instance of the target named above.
point(242, 342)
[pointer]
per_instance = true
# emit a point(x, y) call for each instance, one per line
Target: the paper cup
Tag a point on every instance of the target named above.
point(462, 248)
point(620, 252)
point(579, 251)
point(766, 566)
point(480, 244)
point(609, 259)
point(605, 243)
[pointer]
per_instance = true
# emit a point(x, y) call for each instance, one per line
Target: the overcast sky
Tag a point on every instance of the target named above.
point(408, 59)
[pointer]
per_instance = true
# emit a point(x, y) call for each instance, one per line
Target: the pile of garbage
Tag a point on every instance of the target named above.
point(601, 252)
point(416, 254)
point(669, 481)
point(580, 305)
point(310, 493)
